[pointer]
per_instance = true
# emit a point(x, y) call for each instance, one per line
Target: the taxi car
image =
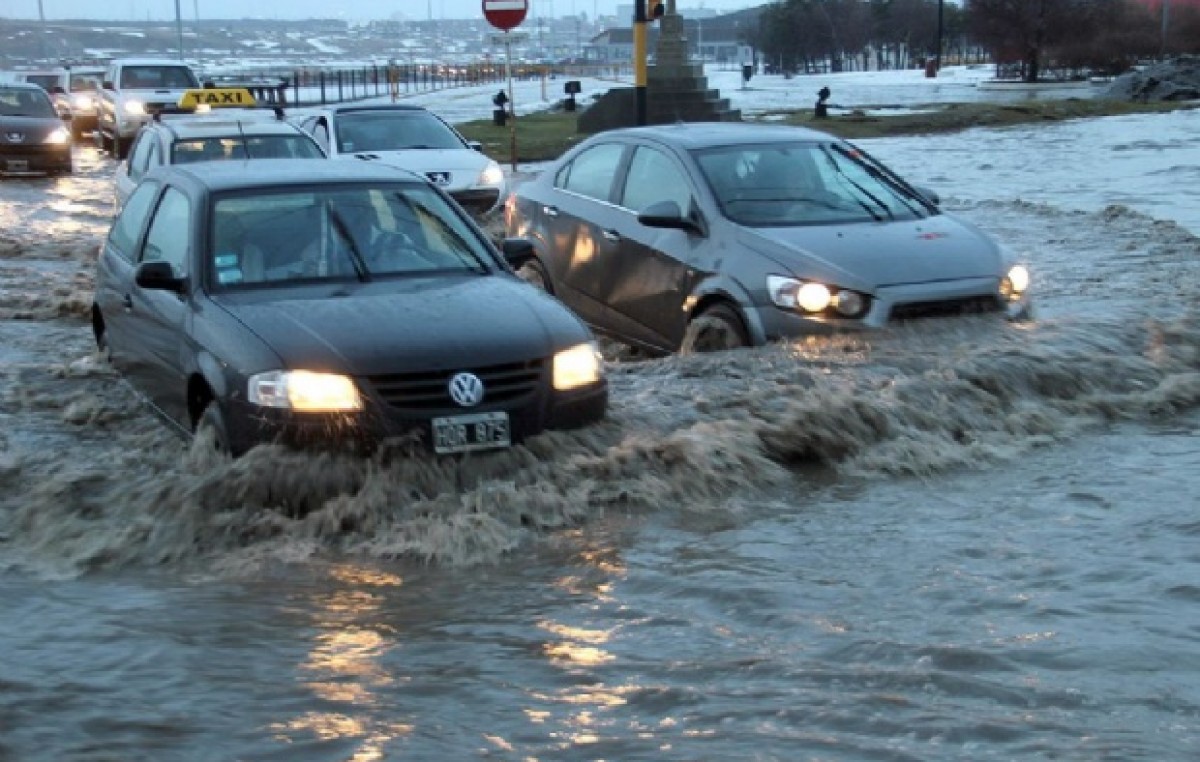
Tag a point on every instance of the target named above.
point(712, 236)
point(411, 138)
point(196, 131)
point(319, 303)
point(33, 136)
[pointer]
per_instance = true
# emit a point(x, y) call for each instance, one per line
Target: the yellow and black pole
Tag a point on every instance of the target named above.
point(639, 60)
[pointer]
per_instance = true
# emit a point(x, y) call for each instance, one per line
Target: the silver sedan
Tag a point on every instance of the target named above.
point(712, 236)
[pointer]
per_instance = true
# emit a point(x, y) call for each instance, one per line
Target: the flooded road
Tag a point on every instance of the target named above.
point(954, 540)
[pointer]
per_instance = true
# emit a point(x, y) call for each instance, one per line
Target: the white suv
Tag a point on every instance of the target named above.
point(133, 89)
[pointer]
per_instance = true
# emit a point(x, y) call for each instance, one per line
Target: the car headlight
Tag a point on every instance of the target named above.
point(576, 367)
point(1015, 282)
point(81, 102)
point(304, 391)
point(58, 137)
point(492, 176)
point(136, 108)
point(813, 298)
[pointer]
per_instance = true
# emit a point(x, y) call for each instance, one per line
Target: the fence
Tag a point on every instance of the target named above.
point(319, 86)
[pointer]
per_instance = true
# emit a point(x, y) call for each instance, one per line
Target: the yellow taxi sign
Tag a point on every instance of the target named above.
point(217, 97)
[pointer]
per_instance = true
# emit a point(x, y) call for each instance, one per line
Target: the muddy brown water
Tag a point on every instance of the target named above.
point(952, 540)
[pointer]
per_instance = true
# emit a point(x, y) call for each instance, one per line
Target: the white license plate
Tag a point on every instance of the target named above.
point(17, 165)
point(464, 433)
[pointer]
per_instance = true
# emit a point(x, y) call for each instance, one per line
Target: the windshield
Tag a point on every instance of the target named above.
point(780, 184)
point(44, 81)
point(393, 131)
point(25, 102)
point(85, 81)
point(281, 236)
point(158, 78)
point(248, 147)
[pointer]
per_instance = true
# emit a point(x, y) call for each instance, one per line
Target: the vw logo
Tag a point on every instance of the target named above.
point(466, 389)
point(15, 137)
point(438, 178)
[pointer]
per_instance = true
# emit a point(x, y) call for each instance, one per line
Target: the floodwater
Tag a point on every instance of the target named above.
point(953, 540)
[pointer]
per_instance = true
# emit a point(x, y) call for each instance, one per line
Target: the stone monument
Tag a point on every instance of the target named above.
point(676, 88)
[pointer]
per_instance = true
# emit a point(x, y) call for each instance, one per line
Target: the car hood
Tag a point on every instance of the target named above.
point(872, 255)
point(464, 165)
point(415, 324)
point(32, 129)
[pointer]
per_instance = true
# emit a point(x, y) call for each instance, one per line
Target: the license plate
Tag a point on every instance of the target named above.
point(18, 165)
point(464, 433)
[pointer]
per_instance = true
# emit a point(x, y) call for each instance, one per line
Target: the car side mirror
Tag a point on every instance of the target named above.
point(475, 145)
point(930, 194)
point(517, 250)
point(667, 214)
point(158, 276)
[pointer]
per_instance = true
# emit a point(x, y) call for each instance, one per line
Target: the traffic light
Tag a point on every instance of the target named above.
point(655, 9)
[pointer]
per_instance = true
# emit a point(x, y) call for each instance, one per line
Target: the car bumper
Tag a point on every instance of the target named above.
point(249, 425)
point(896, 304)
point(40, 158)
point(477, 201)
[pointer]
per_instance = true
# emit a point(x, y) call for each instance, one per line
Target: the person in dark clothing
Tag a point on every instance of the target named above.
point(822, 110)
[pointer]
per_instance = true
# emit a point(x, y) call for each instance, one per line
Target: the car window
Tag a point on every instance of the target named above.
point(126, 228)
point(139, 157)
point(25, 101)
point(154, 77)
point(167, 239)
point(654, 177)
point(80, 81)
point(393, 130)
point(255, 147)
point(265, 237)
point(321, 133)
point(592, 171)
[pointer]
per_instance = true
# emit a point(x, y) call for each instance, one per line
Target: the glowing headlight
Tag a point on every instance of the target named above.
point(794, 294)
point(304, 391)
point(813, 297)
point(492, 176)
point(81, 102)
point(576, 367)
point(136, 108)
point(1018, 278)
point(58, 137)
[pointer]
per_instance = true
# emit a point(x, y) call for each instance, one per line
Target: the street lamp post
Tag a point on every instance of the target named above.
point(179, 28)
point(937, 59)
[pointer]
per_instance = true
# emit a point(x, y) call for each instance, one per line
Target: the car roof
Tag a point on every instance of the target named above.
point(21, 86)
point(699, 135)
point(220, 125)
point(404, 107)
point(149, 62)
point(232, 175)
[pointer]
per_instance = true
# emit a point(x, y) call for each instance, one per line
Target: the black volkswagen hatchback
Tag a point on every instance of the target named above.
point(332, 303)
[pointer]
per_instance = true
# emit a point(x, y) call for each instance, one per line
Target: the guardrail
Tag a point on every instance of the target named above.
point(319, 86)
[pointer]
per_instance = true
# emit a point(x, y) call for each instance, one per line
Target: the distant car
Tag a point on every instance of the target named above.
point(237, 133)
point(317, 303)
point(133, 89)
point(74, 91)
point(33, 136)
point(713, 236)
point(415, 139)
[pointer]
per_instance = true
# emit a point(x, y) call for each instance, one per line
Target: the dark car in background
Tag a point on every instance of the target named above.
point(713, 236)
point(332, 303)
point(33, 135)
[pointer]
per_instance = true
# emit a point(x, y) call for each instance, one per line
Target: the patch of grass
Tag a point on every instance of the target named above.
point(545, 136)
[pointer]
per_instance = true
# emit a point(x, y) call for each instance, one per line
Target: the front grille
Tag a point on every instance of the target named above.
point(973, 305)
point(429, 391)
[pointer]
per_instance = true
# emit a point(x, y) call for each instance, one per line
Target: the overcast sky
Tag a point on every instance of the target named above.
point(295, 9)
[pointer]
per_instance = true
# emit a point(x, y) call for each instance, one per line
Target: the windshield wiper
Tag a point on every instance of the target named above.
point(841, 173)
point(356, 258)
point(899, 187)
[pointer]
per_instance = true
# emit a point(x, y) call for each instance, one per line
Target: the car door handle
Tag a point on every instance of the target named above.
point(127, 300)
point(611, 235)
point(550, 211)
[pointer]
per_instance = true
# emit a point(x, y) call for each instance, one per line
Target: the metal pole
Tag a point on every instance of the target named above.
point(1166, 13)
point(512, 104)
point(42, 35)
point(639, 60)
point(937, 60)
point(179, 26)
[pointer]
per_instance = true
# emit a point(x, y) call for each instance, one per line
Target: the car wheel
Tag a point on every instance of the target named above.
point(211, 427)
point(717, 328)
point(532, 272)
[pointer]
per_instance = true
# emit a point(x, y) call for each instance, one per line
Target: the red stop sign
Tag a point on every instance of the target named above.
point(505, 14)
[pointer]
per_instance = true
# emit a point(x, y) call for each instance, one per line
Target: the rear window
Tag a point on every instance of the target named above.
point(394, 131)
point(155, 77)
point(44, 81)
point(251, 147)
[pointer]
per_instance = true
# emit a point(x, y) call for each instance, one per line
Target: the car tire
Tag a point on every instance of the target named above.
point(714, 330)
point(532, 272)
point(211, 423)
